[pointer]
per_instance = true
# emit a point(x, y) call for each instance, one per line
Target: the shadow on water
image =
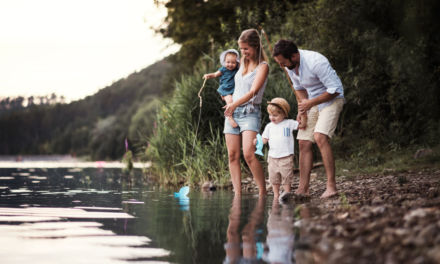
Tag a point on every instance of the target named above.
point(96, 215)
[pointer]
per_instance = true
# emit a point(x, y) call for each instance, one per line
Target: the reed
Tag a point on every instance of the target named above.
point(186, 150)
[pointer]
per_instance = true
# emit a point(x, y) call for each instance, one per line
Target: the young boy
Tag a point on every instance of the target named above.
point(281, 146)
point(230, 61)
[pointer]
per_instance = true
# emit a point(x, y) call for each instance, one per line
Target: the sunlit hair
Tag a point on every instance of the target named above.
point(252, 38)
point(273, 109)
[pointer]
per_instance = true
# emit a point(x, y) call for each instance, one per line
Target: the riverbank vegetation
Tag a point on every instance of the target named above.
point(385, 52)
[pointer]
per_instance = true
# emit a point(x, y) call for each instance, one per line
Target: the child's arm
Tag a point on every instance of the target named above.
point(264, 141)
point(212, 75)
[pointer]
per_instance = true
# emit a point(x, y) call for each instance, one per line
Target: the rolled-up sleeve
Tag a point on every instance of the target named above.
point(327, 75)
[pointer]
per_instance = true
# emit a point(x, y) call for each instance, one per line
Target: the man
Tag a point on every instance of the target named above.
point(321, 97)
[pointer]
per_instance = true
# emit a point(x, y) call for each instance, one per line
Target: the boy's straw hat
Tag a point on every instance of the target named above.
point(280, 103)
point(223, 56)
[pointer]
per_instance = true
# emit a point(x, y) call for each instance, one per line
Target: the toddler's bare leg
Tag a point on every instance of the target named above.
point(276, 191)
point(286, 188)
point(228, 100)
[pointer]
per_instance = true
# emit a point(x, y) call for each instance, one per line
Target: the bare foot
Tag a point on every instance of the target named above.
point(262, 193)
point(302, 192)
point(232, 122)
point(328, 194)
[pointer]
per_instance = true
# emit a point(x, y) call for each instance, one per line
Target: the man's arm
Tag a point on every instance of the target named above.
point(305, 104)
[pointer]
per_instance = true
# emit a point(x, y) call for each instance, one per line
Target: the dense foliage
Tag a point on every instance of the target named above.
point(384, 51)
point(200, 25)
point(95, 126)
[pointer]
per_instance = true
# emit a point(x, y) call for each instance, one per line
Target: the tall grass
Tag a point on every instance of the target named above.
point(181, 150)
point(186, 150)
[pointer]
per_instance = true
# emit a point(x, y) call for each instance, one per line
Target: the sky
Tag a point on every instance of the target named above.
point(76, 47)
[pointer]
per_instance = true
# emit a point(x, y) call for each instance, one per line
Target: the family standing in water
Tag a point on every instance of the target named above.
point(320, 98)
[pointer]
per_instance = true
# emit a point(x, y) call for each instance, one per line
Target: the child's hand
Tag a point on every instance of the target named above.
point(208, 76)
point(302, 119)
point(255, 141)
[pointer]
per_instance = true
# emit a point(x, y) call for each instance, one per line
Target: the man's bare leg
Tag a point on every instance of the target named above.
point(329, 164)
point(305, 166)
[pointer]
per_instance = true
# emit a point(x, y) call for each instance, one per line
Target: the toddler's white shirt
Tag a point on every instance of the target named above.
point(281, 142)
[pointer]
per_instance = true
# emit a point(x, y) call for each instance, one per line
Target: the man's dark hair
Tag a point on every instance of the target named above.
point(285, 47)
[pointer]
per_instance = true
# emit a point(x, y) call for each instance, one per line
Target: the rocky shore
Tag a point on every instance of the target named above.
point(381, 218)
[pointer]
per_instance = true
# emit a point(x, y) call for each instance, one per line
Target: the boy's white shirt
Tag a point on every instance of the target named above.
point(280, 138)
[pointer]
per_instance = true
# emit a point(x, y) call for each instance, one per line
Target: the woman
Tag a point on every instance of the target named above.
point(250, 82)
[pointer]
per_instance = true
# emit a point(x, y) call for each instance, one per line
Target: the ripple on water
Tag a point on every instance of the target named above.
point(46, 236)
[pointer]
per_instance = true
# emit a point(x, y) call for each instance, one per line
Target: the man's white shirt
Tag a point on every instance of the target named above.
point(316, 76)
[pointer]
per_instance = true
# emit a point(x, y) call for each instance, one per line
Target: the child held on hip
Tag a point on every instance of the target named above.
point(229, 60)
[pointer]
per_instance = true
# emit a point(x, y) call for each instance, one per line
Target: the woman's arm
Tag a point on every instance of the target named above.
point(261, 77)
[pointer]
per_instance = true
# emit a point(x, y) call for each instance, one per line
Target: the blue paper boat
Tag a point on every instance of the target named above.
point(183, 193)
point(259, 145)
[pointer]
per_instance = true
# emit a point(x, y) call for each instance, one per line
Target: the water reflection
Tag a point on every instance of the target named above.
point(280, 238)
point(250, 250)
point(208, 227)
point(70, 216)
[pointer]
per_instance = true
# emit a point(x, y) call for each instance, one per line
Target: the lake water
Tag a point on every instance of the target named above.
point(95, 215)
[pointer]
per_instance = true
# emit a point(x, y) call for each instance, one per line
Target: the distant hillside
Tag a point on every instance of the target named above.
point(95, 126)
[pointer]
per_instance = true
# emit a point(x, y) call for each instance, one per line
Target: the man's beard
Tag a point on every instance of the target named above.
point(293, 65)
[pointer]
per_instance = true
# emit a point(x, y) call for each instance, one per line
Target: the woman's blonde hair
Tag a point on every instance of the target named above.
point(252, 38)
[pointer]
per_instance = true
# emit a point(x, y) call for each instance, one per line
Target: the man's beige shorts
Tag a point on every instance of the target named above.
point(280, 170)
point(323, 121)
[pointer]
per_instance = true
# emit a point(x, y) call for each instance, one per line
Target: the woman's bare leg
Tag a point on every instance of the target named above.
point(252, 161)
point(233, 143)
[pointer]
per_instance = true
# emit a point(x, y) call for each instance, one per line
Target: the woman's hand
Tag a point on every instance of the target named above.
point(229, 109)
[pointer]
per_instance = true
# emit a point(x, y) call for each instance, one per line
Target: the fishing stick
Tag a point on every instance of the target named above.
point(200, 115)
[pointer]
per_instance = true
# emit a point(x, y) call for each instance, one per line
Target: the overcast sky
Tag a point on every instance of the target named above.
point(76, 47)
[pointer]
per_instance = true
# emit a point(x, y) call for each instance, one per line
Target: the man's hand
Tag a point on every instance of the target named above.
point(304, 106)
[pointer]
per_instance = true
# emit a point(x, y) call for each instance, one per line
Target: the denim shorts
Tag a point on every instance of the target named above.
point(247, 118)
